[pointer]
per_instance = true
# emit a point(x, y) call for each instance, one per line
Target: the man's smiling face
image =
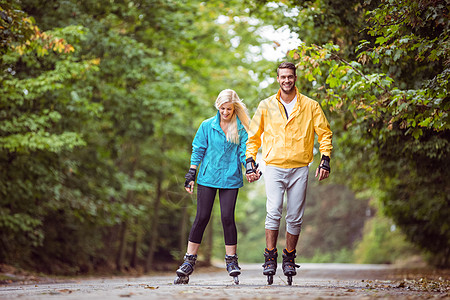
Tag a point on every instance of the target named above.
point(286, 79)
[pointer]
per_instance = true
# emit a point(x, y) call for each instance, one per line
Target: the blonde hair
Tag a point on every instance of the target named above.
point(240, 110)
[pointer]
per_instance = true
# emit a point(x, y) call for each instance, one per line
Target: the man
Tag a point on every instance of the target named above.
point(289, 121)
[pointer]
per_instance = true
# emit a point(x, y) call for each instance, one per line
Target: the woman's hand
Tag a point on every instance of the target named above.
point(253, 176)
point(190, 178)
point(190, 187)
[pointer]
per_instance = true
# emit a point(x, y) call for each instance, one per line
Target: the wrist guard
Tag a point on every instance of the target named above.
point(250, 165)
point(325, 163)
point(190, 176)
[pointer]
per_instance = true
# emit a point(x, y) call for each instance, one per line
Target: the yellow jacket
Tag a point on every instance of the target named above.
point(288, 143)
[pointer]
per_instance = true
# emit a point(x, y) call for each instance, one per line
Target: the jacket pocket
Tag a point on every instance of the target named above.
point(205, 168)
point(269, 147)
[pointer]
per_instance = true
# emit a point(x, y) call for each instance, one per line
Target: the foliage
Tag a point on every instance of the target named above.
point(250, 219)
point(101, 101)
point(32, 134)
point(343, 255)
point(97, 118)
point(333, 221)
point(19, 32)
point(393, 106)
point(382, 243)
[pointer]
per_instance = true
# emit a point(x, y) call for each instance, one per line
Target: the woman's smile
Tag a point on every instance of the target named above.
point(226, 111)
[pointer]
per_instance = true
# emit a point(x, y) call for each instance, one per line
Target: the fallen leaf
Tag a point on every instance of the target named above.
point(151, 287)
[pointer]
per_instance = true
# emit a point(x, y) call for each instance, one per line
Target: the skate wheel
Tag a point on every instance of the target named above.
point(181, 280)
point(236, 280)
point(289, 279)
point(269, 279)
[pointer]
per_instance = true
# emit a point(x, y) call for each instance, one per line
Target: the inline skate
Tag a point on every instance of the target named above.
point(270, 264)
point(289, 266)
point(233, 267)
point(186, 269)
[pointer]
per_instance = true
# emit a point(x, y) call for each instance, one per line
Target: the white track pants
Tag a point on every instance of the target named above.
point(292, 181)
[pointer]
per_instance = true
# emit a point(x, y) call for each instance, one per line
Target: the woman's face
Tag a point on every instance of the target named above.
point(226, 111)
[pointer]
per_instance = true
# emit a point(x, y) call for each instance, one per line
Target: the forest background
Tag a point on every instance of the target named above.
point(100, 101)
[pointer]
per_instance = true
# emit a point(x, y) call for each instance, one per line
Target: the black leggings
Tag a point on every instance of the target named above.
point(205, 201)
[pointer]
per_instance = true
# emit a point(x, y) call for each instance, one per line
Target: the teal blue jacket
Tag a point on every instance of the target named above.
point(220, 161)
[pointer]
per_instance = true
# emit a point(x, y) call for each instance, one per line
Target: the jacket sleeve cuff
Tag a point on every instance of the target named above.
point(327, 153)
point(195, 162)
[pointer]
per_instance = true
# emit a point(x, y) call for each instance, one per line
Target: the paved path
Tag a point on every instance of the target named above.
point(314, 281)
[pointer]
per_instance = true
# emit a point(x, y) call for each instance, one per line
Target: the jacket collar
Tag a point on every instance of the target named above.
point(278, 95)
point(297, 106)
point(216, 123)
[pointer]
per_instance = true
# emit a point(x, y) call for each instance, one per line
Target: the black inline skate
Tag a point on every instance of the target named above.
point(233, 267)
point(289, 266)
point(186, 269)
point(270, 264)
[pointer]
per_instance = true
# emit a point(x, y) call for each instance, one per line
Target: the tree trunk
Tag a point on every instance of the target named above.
point(121, 253)
point(183, 230)
point(133, 255)
point(154, 225)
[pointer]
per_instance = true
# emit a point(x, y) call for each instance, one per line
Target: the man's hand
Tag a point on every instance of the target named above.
point(252, 172)
point(323, 171)
point(190, 179)
point(253, 176)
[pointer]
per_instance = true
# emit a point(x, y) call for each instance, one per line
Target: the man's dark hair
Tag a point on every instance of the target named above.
point(287, 65)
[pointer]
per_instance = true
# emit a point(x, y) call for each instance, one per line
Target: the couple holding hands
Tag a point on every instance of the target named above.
point(289, 122)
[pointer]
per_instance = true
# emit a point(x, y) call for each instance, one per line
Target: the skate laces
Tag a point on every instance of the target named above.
point(271, 254)
point(232, 261)
point(270, 257)
point(189, 262)
point(288, 259)
point(190, 258)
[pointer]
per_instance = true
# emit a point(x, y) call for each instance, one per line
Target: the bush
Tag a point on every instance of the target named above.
point(382, 243)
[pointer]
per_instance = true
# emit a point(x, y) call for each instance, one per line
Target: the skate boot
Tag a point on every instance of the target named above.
point(270, 264)
point(233, 267)
point(186, 269)
point(289, 266)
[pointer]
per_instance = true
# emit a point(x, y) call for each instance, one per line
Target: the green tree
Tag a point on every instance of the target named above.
point(110, 142)
point(392, 104)
point(333, 221)
point(34, 132)
point(382, 243)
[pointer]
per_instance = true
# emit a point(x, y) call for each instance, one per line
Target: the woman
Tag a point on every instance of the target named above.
point(219, 149)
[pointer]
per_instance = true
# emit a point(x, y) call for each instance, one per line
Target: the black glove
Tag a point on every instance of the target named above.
point(190, 176)
point(251, 166)
point(325, 163)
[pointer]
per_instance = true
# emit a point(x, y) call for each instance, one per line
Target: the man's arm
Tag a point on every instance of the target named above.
point(324, 133)
point(256, 129)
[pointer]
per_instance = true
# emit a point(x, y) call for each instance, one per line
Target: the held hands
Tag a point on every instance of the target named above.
point(190, 178)
point(323, 171)
point(252, 172)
